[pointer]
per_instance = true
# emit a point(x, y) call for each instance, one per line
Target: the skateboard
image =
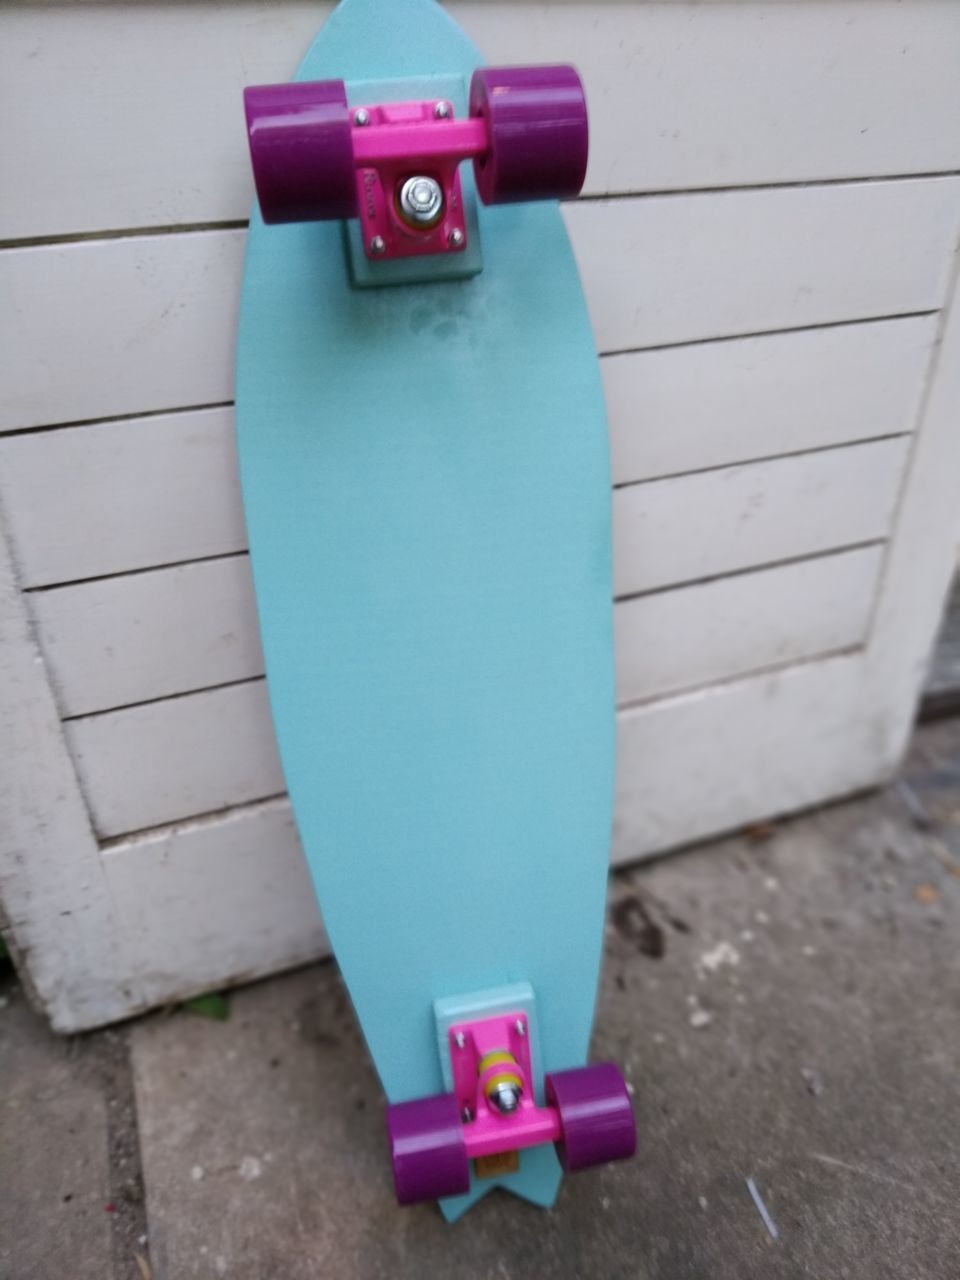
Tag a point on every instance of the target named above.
point(424, 462)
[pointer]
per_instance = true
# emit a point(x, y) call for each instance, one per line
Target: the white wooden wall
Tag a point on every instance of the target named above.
point(767, 243)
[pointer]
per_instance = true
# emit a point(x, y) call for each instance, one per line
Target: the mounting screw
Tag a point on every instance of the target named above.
point(442, 110)
point(521, 1027)
point(456, 238)
point(361, 117)
point(460, 1040)
point(378, 245)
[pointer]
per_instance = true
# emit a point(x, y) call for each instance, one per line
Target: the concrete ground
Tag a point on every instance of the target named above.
point(786, 1004)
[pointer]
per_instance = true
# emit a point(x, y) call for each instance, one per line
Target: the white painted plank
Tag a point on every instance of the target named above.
point(716, 403)
point(713, 760)
point(215, 902)
point(113, 327)
point(715, 631)
point(103, 499)
point(120, 641)
point(678, 268)
point(716, 522)
point(55, 907)
point(234, 892)
point(143, 636)
point(95, 135)
point(157, 763)
point(147, 323)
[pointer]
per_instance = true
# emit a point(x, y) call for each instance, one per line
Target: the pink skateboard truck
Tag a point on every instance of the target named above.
point(396, 166)
point(492, 1113)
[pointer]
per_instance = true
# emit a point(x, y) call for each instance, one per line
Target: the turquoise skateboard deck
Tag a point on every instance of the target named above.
point(426, 480)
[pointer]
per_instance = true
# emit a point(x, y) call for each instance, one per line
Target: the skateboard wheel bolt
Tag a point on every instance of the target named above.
point(361, 118)
point(421, 201)
point(378, 245)
point(456, 238)
point(442, 110)
point(506, 1098)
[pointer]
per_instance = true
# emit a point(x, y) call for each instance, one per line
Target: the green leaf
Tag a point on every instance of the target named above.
point(216, 1006)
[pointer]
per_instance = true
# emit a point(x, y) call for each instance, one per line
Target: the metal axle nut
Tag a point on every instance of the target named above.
point(421, 201)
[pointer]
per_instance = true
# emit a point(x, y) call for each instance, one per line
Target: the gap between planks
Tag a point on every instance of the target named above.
point(757, 461)
point(894, 316)
point(784, 561)
point(769, 668)
point(134, 573)
point(190, 823)
point(742, 571)
point(196, 822)
point(240, 224)
point(768, 333)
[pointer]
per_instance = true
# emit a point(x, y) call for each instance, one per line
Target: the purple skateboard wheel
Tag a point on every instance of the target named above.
point(539, 138)
point(427, 1148)
point(302, 150)
point(596, 1116)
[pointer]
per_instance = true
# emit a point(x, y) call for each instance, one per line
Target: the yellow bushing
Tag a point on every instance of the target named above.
point(509, 1075)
